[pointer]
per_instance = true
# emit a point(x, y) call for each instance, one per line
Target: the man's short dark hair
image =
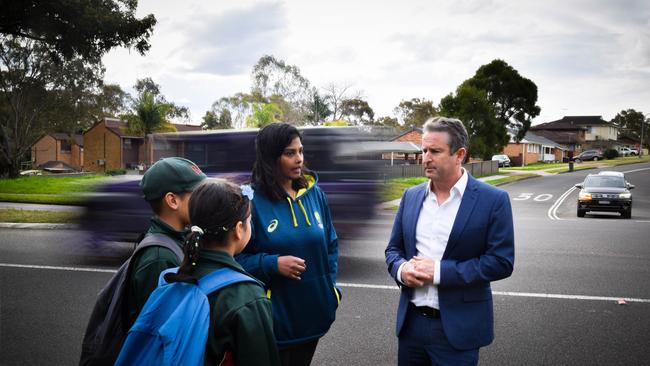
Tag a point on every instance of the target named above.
point(454, 127)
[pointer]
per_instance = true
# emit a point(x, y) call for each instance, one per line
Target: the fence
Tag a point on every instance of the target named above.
point(477, 169)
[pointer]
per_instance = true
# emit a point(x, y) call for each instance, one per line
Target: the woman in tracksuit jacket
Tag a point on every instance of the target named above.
point(293, 247)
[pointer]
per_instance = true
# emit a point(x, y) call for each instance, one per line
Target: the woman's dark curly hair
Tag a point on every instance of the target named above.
point(269, 146)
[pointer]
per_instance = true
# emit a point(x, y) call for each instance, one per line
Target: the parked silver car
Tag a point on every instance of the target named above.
point(503, 160)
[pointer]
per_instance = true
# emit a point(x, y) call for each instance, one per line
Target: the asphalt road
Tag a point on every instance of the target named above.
point(560, 307)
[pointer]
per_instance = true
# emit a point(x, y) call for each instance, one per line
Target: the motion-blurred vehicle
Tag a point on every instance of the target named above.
point(504, 160)
point(606, 191)
point(594, 155)
point(348, 172)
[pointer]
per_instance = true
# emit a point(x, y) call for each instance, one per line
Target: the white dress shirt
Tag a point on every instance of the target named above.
point(431, 235)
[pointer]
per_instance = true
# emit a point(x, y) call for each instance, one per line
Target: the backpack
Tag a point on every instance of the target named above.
point(172, 328)
point(107, 326)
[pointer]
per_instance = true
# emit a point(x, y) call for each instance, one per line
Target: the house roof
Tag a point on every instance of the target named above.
point(573, 123)
point(381, 147)
point(537, 139)
point(183, 128)
point(566, 137)
point(413, 129)
point(78, 139)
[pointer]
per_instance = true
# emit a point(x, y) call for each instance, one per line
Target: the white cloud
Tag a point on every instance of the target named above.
point(586, 56)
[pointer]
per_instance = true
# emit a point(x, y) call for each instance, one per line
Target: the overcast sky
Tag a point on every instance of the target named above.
point(587, 57)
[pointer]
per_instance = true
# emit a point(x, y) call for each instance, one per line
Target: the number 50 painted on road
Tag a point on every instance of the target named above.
point(539, 198)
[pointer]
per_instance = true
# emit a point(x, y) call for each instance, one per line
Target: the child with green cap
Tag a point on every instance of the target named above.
point(167, 185)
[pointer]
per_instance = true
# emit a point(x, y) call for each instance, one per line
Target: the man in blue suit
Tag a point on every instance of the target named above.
point(452, 236)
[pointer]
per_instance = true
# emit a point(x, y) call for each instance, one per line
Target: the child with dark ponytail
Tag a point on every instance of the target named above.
point(241, 327)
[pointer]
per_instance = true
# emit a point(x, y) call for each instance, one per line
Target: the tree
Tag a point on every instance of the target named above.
point(264, 114)
point(86, 29)
point(487, 135)
point(275, 78)
point(630, 122)
point(387, 121)
point(336, 94)
point(38, 96)
point(319, 109)
point(357, 111)
point(415, 112)
point(212, 121)
point(147, 85)
point(512, 96)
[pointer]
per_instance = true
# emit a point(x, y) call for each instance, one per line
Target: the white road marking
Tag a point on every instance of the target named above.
point(78, 269)
point(552, 211)
point(364, 285)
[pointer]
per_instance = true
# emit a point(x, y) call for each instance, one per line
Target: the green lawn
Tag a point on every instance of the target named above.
point(41, 189)
point(394, 188)
point(32, 216)
point(50, 185)
point(536, 166)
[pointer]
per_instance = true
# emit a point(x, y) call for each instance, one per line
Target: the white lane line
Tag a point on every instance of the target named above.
point(552, 211)
point(364, 285)
point(78, 269)
point(636, 170)
point(517, 294)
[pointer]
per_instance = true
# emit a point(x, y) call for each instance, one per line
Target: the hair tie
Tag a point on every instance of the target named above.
point(196, 229)
point(247, 191)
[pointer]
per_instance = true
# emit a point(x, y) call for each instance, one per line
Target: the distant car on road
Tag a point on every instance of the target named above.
point(606, 191)
point(594, 155)
point(504, 160)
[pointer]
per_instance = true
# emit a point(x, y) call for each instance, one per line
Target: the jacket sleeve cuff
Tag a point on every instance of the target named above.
point(270, 265)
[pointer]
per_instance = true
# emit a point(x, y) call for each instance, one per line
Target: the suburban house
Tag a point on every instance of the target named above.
point(61, 148)
point(408, 151)
point(110, 146)
point(580, 133)
point(533, 148)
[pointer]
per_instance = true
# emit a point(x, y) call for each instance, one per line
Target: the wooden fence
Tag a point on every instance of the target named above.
point(477, 169)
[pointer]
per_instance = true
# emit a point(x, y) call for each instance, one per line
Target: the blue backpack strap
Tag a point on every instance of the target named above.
point(161, 278)
point(222, 278)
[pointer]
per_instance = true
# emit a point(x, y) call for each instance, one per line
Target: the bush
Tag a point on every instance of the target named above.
point(116, 172)
point(610, 154)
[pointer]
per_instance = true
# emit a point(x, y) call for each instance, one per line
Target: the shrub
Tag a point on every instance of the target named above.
point(116, 172)
point(610, 154)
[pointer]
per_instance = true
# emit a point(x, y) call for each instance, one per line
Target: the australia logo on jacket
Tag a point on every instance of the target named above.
point(317, 216)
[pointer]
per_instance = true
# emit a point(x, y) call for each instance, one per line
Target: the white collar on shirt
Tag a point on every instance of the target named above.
point(459, 187)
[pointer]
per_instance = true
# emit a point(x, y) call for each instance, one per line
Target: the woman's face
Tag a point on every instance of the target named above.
point(291, 160)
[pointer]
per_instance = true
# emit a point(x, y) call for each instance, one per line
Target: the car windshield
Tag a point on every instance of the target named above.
point(605, 181)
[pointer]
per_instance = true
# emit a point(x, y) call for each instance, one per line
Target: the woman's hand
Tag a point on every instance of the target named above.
point(290, 266)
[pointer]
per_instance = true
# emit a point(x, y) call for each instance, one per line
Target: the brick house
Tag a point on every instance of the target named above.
point(414, 135)
point(109, 146)
point(532, 149)
point(580, 133)
point(59, 147)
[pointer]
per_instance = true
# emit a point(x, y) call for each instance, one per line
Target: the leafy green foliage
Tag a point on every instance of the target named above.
point(512, 96)
point(264, 114)
point(630, 122)
point(357, 111)
point(416, 111)
point(487, 135)
point(70, 29)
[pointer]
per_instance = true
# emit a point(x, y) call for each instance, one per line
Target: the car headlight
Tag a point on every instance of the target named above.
point(584, 196)
point(625, 195)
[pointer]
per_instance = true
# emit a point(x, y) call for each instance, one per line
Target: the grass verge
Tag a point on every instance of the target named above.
point(33, 216)
point(50, 185)
point(394, 188)
point(512, 178)
point(68, 199)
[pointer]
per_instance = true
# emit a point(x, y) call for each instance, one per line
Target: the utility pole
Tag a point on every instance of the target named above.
point(641, 142)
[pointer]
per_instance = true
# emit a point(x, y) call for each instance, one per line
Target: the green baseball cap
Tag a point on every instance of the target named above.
point(174, 175)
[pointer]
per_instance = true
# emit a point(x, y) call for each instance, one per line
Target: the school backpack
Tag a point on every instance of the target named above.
point(172, 328)
point(107, 326)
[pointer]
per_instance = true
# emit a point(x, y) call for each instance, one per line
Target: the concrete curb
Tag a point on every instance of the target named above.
point(40, 226)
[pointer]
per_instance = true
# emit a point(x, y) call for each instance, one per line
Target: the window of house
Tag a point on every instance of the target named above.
point(127, 144)
point(66, 147)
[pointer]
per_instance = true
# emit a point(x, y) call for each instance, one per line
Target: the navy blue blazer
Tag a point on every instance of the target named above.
point(480, 250)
